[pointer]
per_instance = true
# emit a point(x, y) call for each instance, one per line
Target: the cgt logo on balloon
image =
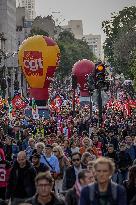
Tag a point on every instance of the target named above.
point(33, 63)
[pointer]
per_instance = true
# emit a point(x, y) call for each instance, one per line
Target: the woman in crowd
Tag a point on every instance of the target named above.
point(130, 184)
point(63, 164)
point(86, 157)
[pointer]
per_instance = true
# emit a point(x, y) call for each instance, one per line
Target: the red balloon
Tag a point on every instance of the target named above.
point(81, 70)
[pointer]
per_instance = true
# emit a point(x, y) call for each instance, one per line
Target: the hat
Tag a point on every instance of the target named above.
point(36, 155)
point(48, 146)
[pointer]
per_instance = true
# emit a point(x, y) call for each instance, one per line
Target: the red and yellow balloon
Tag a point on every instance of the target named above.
point(39, 58)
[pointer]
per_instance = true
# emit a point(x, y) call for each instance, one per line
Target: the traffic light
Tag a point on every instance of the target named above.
point(74, 82)
point(99, 74)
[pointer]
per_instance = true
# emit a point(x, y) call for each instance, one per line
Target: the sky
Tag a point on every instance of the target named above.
point(91, 12)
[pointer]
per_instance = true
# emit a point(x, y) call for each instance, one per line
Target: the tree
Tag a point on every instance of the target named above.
point(72, 50)
point(37, 31)
point(132, 66)
point(120, 40)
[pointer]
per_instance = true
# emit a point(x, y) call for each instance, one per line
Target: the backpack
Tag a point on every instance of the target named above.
point(114, 190)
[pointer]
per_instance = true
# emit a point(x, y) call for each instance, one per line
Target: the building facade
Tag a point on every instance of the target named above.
point(8, 24)
point(94, 42)
point(76, 27)
point(23, 25)
point(29, 6)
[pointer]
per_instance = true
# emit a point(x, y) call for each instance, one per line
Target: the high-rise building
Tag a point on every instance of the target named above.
point(8, 23)
point(29, 5)
point(76, 27)
point(94, 42)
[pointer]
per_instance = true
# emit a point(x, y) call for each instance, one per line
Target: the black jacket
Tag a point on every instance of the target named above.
point(56, 201)
point(69, 178)
point(71, 197)
point(29, 174)
point(42, 168)
point(133, 201)
point(124, 160)
point(130, 190)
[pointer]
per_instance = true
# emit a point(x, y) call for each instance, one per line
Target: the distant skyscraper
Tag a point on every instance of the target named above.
point(29, 5)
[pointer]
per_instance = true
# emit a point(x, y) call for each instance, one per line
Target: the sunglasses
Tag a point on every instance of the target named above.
point(74, 160)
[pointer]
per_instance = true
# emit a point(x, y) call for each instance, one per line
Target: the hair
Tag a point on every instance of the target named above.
point(52, 135)
point(81, 174)
point(75, 153)
point(44, 175)
point(55, 144)
point(84, 156)
point(60, 150)
point(110, 145)
point(86, 138)
point(31, 139)
point(41, 144)
point(132, 176)
point(105, 160)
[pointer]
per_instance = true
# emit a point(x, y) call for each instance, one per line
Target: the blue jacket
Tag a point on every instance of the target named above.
point(92, 190)
point(132, 152)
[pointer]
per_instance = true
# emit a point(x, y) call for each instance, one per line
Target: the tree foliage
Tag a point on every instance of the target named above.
point(132, 65)
point(72, 50)
point(37, 31)
point(120, 40)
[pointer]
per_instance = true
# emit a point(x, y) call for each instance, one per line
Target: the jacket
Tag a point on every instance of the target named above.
point(69, 178)
point(92, 190)
point(29, 184)
point(124, 160)
point(34, 201)
point(72, 197)
point(133, 201)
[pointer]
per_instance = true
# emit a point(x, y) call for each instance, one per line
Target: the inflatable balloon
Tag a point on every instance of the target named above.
point(81, 70)
point(39, 58)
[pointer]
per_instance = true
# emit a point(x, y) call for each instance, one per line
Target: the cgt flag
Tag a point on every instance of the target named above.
point(56, 103)
point(18, 102)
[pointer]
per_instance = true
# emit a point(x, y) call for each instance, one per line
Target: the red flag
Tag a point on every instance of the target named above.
point(132, 103)
point(18, 102)
point(56, 103)
point(127, 109)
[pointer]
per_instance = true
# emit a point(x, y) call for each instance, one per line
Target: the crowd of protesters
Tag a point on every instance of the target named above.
point(68, 159)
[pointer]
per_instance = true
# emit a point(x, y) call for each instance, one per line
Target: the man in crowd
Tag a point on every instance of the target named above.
point(104, 191)
point(51, 160)
point(71, 174)
point(85, 177)
point(44, 195)
point(30, 148)
point(131, 148)
point(21, 180)
point(39, 166)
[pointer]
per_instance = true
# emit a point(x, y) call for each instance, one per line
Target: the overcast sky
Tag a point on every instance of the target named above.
point(91, 12)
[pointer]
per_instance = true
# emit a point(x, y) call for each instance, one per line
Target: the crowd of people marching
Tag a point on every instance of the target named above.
point(68, 159)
